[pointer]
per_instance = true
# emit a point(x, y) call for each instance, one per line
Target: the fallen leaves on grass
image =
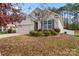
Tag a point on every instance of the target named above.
point(45, 46)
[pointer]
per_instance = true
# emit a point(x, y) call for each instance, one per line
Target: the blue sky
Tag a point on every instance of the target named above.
point(28, 7)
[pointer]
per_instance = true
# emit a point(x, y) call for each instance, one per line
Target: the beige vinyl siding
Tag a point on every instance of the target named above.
point(25, 26)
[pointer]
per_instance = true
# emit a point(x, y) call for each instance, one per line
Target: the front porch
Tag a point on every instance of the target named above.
point(44, 25)
point(48, 25)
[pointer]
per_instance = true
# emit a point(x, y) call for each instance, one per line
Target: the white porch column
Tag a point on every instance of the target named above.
point(2, 28)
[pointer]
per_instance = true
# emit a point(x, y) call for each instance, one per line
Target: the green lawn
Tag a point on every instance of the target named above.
point(51, 45)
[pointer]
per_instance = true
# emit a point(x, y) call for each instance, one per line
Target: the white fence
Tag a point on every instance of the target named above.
point(70, 32)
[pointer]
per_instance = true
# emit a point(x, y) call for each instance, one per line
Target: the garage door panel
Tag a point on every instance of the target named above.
point(25, 29)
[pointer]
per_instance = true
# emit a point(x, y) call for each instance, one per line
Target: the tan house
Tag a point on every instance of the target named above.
point(40, 19)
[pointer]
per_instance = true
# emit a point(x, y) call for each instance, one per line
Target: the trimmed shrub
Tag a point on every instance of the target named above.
point(32, 33)
point(57, 30)
point(40, 33)
point(65, 32)
point(9, 30)
point(53, 32)
point(5, 32)
point(47, 33)
point(43, 33)
point(39, 30)
point(12, 30)
point(36, 33)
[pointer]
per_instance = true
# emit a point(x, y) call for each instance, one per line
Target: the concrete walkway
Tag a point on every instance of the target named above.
point(10, 35)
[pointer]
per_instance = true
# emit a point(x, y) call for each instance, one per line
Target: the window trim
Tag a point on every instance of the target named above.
point(46, 25)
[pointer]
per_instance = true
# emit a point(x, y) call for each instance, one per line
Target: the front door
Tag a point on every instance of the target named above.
point(35, 25)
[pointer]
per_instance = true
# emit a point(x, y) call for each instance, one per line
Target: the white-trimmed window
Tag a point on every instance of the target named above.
point(46, 25)
point(49, 24)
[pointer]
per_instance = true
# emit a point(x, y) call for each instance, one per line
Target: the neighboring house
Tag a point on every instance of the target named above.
point(40, 19)
point(8, 26)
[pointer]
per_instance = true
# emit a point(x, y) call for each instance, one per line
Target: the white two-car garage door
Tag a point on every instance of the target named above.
point(26, 28)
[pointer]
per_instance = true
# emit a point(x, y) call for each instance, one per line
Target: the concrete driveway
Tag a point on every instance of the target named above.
point(10, 35)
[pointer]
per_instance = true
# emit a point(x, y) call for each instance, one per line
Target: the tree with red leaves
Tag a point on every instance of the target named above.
point(9, 14)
